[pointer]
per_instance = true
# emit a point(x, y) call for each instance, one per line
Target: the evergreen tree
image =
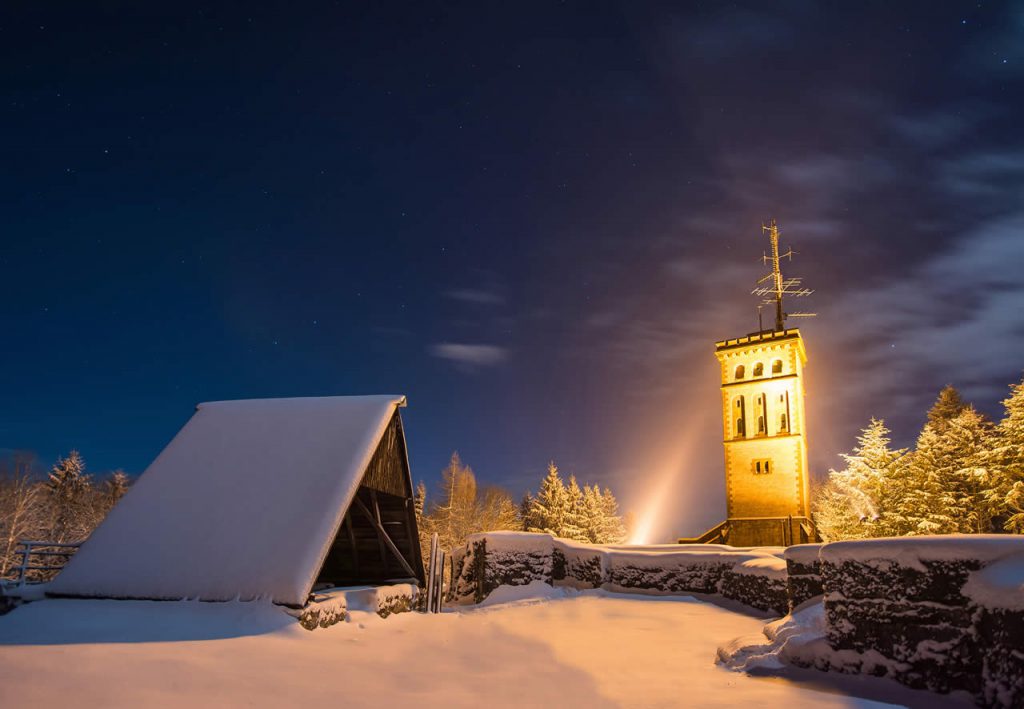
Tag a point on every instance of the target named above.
point(526, 512)
point(115, 487)
point(575, 524)
point(419, 500)
point(613, 528)
point(860, 500)
point(947, 406)
point(68, 488)
point(949, 477)
point(1006, 463)
point(549, 507)
point(593, 514)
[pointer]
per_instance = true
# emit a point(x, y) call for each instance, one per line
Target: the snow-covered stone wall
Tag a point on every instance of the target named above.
point(755, 577)
point(803, 573)
point(938, 613)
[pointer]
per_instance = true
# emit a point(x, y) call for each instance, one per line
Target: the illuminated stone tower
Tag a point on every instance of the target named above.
point(764, 424)
point(766, 479)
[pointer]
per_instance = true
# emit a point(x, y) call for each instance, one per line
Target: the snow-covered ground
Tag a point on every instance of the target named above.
point(564, 649)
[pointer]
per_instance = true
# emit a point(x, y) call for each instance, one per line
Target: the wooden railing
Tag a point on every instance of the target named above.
point(715, 535)
point(40, 561)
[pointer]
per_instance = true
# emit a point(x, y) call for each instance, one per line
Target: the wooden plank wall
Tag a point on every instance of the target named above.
point(358, 555)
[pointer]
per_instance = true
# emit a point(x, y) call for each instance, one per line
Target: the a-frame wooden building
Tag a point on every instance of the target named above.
point(265, 498)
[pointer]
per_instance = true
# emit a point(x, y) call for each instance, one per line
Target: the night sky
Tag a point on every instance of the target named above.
point(533, 220)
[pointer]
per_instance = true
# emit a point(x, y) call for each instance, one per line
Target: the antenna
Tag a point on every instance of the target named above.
point(773, 286)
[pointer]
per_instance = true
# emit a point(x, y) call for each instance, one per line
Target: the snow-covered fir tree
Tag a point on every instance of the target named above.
point(69, 489)
point(948, 478)
point(575, 523)
point(613, 529)
point(115, 487)
point(593, 514)
point(858, 501)
point(549, 507)
point(1006, 463)
point(947, 406)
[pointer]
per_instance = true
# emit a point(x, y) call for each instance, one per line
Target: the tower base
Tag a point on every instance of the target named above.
point(758, 532)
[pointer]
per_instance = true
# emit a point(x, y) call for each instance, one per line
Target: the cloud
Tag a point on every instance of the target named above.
point(984, 174)
point(470, 356)
point(953, 319)
point(477, 296)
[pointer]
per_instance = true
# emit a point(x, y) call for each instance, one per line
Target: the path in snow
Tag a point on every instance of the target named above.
point(587, 650)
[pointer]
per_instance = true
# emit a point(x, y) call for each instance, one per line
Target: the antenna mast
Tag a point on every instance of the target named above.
point(773, 286)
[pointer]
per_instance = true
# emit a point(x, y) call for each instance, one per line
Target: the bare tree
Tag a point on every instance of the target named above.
point(20, 507)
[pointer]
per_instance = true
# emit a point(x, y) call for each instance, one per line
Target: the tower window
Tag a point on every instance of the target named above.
point(761, 414)
point(739, 417)
point(759, 369)
point(762, 466)
point(784, 412)
point(777, 367)
point(741, 372)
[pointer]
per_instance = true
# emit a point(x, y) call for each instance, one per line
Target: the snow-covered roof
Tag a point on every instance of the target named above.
point(242, 503)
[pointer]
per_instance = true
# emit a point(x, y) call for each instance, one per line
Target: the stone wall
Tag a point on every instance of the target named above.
point(516, 559)
point(936, 613)
point(803, 573)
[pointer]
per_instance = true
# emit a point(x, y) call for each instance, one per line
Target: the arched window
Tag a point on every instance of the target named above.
point(784, 412)
point(760, 413)
point(759, 369)
point(739, 417)
point(777, 367)
point(741, 371)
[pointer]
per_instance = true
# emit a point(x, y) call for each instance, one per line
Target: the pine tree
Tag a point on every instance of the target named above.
point(613, 527)
point(575, 524)
point(68, 488)
point(948, 470)
point(1006, 463)
point(858, 501)
point(419, 500)
point(526, 512)
point(947, 406)
point(593, 514)
point(548, 511)
point(115, 487)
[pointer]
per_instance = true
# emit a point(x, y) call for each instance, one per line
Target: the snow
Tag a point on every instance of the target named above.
point(592, 649)
point(909, 550)
point(798, 640)
point(998, 585)
point(770, 566)
point(532, 592)
point(242, 503)
point(803, 554)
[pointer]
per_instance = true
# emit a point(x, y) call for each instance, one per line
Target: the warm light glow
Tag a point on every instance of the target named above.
point(660, 484)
